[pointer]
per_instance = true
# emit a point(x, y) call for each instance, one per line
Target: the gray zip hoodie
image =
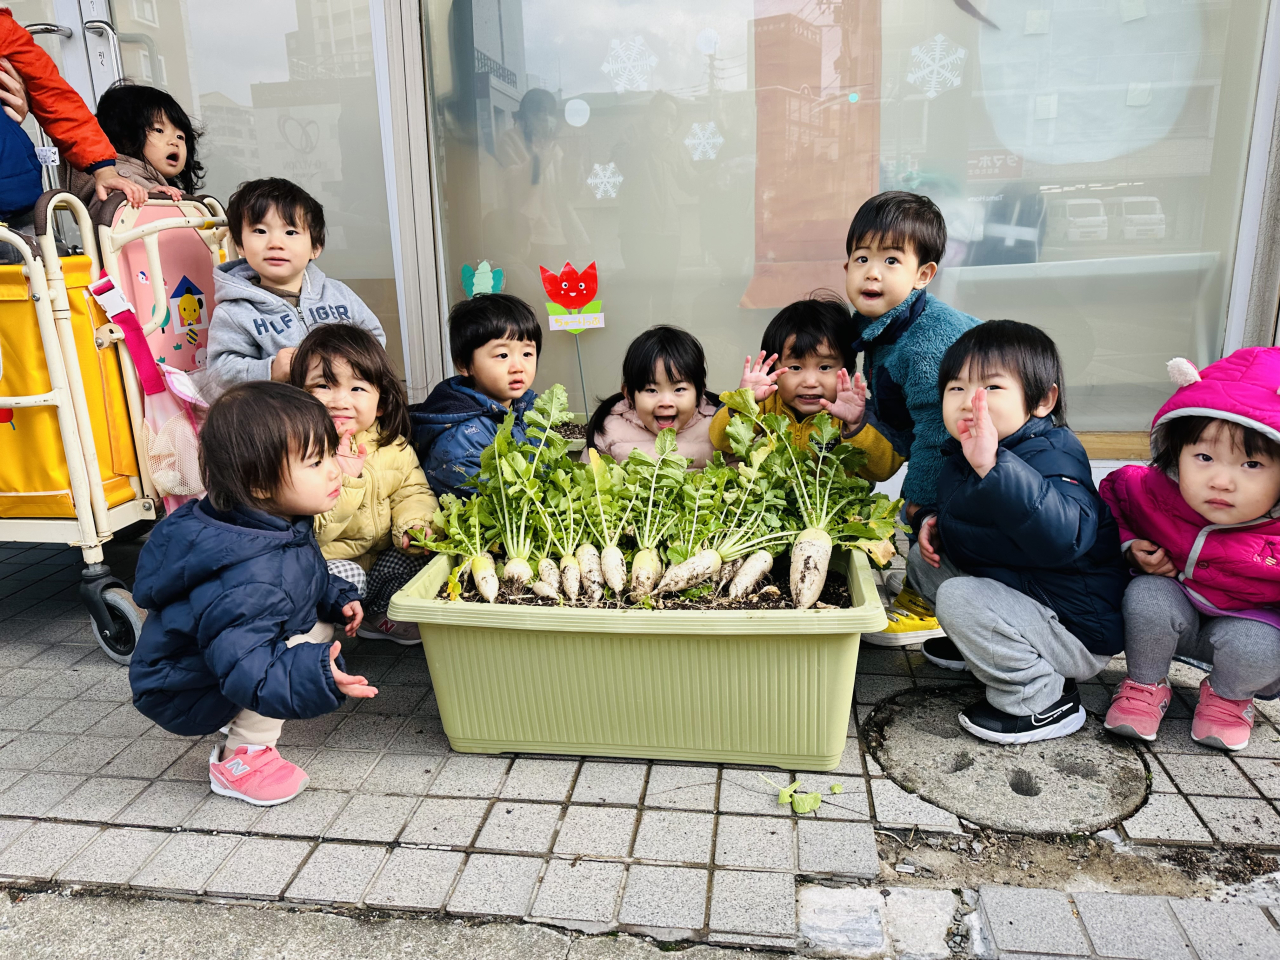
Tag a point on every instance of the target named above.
point(250, 325)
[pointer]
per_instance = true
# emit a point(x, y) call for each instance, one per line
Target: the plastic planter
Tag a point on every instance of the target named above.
point(770, 687)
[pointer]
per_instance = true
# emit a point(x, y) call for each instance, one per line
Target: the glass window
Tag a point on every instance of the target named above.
point(145, 12)
point(1089, 159)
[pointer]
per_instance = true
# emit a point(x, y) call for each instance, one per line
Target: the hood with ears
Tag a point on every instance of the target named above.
point(1243, 388)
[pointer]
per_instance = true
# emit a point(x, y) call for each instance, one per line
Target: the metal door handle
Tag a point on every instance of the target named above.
point(35, 29)
point(103, 28)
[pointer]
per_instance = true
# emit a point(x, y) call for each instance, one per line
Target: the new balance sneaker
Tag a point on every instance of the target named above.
point(384, 628)
point(894, 581)
point(257, 775)
point(911, 620)
point(941, 652)
point(1062, 717)
point(1219, 722)
point(1137, 709)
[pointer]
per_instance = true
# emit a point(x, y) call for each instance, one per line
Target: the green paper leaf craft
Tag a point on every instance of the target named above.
point(595, 306)
point(482, 279)
point(554, 309)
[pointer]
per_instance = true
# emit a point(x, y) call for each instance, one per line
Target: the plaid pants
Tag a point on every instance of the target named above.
point(391, 571)
point(349, 571)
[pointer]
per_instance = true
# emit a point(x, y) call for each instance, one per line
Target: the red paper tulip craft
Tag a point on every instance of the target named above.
point(573, 303)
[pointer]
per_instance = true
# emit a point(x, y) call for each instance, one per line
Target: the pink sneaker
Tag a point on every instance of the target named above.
point(1219, 722)
point(257, 775)
point(384, 628)
point(1137, 709)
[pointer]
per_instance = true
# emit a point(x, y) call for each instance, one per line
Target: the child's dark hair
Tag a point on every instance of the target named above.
point(249, 435)
point(489, 316)
point(814, 323)
point(126, 112)
point(368, 360)
point(254, 199)
point(1171, 437)
point(681, 356)
point(899, 219)
point(1026, 353)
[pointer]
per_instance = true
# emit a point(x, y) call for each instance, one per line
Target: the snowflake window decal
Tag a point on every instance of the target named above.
point(937, 66)
point(604, 180)
point(704, 141)
point(629, 64)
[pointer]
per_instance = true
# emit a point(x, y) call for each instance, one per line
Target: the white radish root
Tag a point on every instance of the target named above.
point(518, 570)
point(614, 569)
point(548, 572)
point(727, 572)
point(482, 571)
point(750, 570)
point(570, 576)
point(588, 558)
point(646, 568)
point(810, 555)
point(700, 567)
point(544, 589)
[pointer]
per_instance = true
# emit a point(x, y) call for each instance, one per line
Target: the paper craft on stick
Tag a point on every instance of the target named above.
point(573, 305)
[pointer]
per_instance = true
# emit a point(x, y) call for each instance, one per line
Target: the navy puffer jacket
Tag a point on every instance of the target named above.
point(1037, 524)
point(225, 591)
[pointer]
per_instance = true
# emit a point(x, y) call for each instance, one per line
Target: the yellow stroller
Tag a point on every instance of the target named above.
point(72, 465)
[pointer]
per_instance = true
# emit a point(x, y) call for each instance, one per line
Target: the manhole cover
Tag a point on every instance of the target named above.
point(1077, 784)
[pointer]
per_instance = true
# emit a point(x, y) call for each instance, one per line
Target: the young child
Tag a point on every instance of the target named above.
point(242, 607)
point(494, 340)
point(664, 382)
point(270, 299)
point(155, 141)
point(1200, 528)
point(384, 492)
point(1022, 556)
point(893, 247)
point(806, 339)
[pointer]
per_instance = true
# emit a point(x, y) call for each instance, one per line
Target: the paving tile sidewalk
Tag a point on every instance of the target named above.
point(91, 792)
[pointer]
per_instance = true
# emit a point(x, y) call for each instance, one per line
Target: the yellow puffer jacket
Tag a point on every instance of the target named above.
point(375, 509)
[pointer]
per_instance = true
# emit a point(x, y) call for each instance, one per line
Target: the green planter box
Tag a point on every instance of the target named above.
point(767, 687)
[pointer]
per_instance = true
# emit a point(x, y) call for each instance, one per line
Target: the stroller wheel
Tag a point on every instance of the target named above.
point(126, 624)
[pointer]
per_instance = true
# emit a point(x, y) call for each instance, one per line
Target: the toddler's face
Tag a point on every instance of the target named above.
point(1006, 401)
point(350, 400)
point(806, 381)
point(166, 147)
point(278, 251)
point(1222, 483)
point(504, 369)
point(311, 486)
point(878, 278)
point(665, 403)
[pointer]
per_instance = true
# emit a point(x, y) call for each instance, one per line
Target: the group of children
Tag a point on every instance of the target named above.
point(321, 477)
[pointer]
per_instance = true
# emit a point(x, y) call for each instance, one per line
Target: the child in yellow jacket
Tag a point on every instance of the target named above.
point(807, 340)
point(385, 495)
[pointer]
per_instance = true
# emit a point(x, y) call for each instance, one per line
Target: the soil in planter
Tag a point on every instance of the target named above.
point(572, 431)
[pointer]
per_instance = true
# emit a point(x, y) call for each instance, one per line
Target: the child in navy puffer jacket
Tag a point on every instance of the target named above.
point(242, 603)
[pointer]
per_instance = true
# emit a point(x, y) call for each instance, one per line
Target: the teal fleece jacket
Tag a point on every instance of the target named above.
point(901, 369)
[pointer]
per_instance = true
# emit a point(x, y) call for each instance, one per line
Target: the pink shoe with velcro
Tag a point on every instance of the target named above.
point(257, 775)
point(1137, 709)
point(1219, 722)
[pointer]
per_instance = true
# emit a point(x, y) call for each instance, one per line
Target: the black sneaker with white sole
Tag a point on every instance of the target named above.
point(941, 652)
point(1065, 716)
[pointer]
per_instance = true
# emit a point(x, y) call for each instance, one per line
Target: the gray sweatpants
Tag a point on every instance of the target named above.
point(1160, 623)
point(1013, 644)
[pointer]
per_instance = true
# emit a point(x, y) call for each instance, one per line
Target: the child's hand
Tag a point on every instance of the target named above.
point(409, 543)
point(173, 193)
point(931, 553)
point(351, 460)
point(757, 376)
point(106, 179)
point(13, 92)
point(978, 437)
point(850, 402)
point(280, 364)
point(351, 686)
point(1150, 558)
point(354, 613)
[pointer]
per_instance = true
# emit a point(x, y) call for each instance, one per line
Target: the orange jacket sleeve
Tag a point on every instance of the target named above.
point(57, 106)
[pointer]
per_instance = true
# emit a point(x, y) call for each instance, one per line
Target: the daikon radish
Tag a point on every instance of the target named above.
point(700, 567)
point(749, 573)
point(614, 568)
point(727, 572)
point(588, 558)
point(482, 571)
point(570, 576)
point(646, 568)
point(548, 572)
point(544, 589)
point(518, 569)
point(810, 555)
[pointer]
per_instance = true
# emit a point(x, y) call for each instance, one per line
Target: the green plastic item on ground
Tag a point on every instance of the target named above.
point(765, 687)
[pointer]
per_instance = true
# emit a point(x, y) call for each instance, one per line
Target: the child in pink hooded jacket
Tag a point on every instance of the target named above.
point(664, 379)
point(1201, 527)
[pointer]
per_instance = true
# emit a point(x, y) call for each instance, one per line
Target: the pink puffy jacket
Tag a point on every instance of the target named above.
point(1233, 567)
point(624, 431)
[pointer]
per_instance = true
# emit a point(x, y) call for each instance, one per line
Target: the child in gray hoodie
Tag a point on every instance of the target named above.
point(268, 300)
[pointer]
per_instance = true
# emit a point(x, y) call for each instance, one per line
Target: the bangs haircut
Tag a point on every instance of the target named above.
point(1175, 435)
point(821, 321)
point(254, 199)
point(910, 222)
point(1024, 352)
point(126, 112)
point(490, 316)
point(368, 360)
point(250, 434)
